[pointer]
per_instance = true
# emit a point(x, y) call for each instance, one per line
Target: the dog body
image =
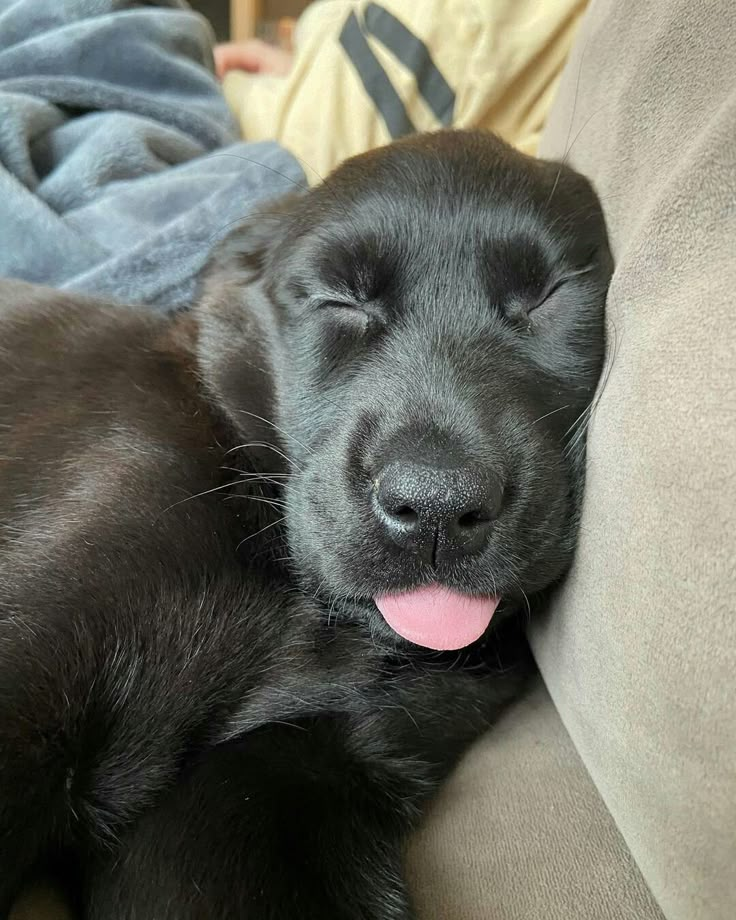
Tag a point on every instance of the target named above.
point(202, 711)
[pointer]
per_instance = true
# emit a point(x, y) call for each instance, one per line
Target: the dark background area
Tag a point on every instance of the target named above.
point(218, 13)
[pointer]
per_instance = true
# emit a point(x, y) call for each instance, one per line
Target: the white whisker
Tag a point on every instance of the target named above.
point(227, 485)
point(541, 417)
point(258, 532)
point(277, 429)
point(268, 446)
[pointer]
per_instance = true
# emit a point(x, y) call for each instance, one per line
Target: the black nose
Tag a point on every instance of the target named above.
point(437, 513)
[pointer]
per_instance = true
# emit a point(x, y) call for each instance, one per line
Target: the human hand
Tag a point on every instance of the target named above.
point(253, 56)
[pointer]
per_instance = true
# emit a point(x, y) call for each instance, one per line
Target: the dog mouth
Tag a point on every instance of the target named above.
point(436, 616)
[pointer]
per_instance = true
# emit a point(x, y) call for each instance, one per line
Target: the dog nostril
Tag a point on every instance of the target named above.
point(472, 519)
point(406, 515)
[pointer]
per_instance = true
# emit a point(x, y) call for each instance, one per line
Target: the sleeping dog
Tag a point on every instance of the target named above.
point(266, 565)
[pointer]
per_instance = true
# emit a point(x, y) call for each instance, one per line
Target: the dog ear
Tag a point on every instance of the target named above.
point(235, 340)
point(242, 255)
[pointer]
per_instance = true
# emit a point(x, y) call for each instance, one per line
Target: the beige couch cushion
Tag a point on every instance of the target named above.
point(520, 833)
point(640, 651)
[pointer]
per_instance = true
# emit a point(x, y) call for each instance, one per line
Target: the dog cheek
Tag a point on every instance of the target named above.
point(550, 527)
point(312, 520)
point(300, 526)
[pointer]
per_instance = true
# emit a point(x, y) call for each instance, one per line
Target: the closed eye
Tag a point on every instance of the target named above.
point(557, 285)
point(334, 301)
point(346, 306)
point(546, 295)
point(346, 316)
point(338, 305)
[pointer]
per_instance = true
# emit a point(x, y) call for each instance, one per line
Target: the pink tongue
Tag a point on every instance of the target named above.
point(437, 617)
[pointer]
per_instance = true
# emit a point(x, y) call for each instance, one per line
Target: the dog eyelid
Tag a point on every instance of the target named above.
point(558, 283)
point(552, 288)
point(336, 300)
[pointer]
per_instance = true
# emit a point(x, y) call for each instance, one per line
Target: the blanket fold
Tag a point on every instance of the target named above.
point(120, 164)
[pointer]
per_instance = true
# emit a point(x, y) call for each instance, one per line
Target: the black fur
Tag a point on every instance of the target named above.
point(202, 713)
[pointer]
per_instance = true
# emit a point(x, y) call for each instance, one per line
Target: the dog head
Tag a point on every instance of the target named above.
point(431, 319)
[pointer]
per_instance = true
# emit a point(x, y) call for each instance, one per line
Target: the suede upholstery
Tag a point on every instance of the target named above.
point(520, 833)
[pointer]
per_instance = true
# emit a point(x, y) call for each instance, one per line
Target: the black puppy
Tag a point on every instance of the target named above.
point(240, 548)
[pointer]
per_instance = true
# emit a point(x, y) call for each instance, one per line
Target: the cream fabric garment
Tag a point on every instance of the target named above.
point(366, 73)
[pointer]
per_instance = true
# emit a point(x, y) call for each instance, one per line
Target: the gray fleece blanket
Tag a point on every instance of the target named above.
point(119, 160)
